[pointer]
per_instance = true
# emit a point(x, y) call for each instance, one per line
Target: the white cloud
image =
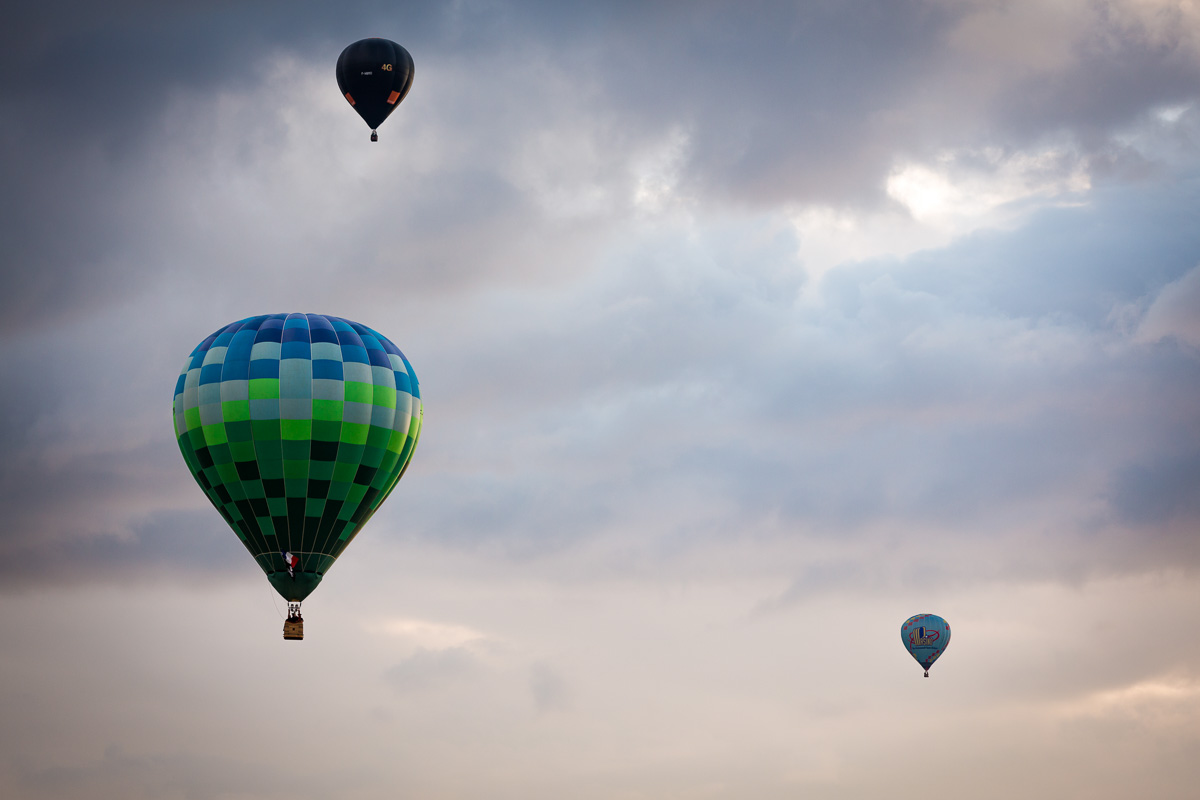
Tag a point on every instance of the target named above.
point(1158, 701)
point(1175, 312)
point(968, 189)
point(424, 633)
point(959, 192)
point(657, 170)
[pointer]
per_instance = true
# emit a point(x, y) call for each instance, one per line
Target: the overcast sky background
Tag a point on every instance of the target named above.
point(744, 330)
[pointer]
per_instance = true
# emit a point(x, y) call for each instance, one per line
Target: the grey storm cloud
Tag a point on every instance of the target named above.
point(775, 105)
point(1161, 492)
point(159, 547)
point(631, 372)
point(908, 412)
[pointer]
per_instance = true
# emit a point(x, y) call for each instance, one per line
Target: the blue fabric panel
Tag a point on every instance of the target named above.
point(269, 332)
point(296, 349)
point(210, 374)
point(355, 353)
point(264, 368)
point(296, 321)
point(236, 370)
point(326, 369)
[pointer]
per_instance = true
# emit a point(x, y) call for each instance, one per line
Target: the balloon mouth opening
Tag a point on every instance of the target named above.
point(294, 588)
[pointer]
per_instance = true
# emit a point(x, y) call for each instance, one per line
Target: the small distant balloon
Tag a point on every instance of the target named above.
point(926, 636)
point(374, 76)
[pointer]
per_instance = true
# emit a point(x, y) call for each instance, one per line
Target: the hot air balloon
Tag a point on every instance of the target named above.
point(926, 637)
point(374, 76)
point(297, 427)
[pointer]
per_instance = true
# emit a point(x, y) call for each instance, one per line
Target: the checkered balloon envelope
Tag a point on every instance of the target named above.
point(297, 427)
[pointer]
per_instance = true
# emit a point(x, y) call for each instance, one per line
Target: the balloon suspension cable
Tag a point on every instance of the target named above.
point(274, 600)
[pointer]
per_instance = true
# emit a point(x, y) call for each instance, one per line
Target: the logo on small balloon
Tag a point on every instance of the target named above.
point(923, 637)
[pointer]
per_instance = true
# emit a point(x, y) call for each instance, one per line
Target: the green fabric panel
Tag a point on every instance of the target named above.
point(326, 431)
point(373, 456)
point(387, 470)
point(220, 454)
point(264, 388)
point(295, 470)
point(354, 433)
point(239, 430)
point(353, 498)
point(359, 392)
point(270, 470)
point(320, 470)
point(384, 395)
point(378, 438)
point(344, 472)
point(227, 472)
point(296, 429)
point(295, 449)
point(265, 430)
point(214, 434)
point(242, 451)
point(235, 411)
point(328, 410)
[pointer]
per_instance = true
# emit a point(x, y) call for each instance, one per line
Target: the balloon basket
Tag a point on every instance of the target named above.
point(293, 628)
point(374, 136)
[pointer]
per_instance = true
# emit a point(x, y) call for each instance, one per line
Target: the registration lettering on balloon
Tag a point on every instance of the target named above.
point(378, 73)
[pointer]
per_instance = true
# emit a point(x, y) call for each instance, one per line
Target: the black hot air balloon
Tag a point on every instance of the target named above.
point(374, 76)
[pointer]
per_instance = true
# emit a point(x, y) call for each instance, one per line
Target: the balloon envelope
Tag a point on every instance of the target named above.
point(926, 637)
point(374, 76)
point(297, 427)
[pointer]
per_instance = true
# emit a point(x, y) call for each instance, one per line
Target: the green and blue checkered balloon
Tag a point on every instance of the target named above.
point(297, 427)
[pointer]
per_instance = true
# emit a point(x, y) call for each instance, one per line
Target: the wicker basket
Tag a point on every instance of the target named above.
point(293, 629)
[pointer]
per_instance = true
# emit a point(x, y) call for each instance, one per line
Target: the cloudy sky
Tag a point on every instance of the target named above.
point(745, 331)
